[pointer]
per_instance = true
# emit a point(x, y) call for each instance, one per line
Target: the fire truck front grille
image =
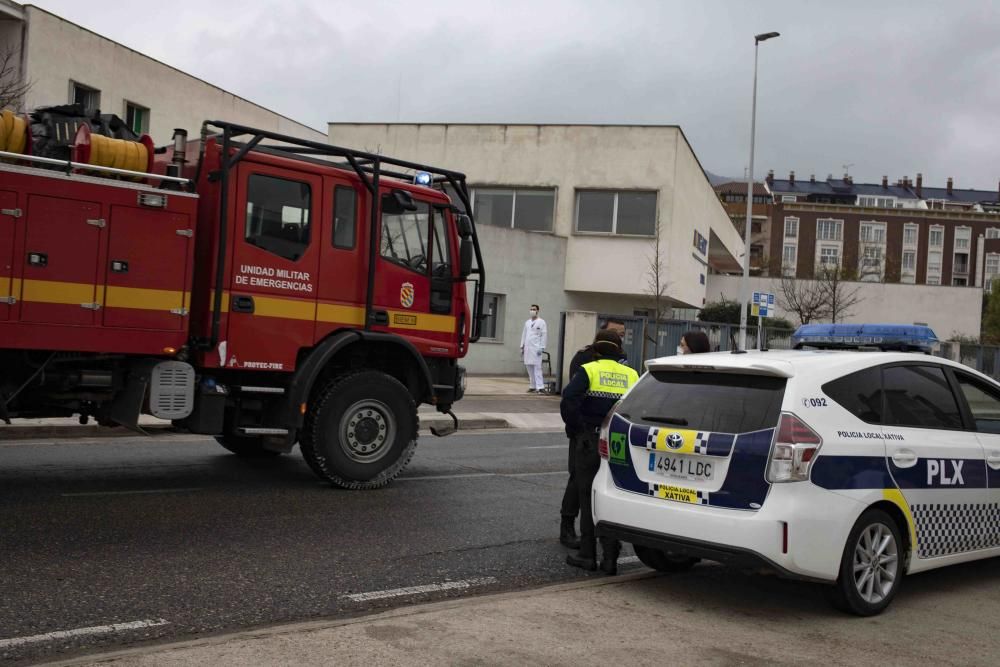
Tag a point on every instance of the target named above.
point(171, 390)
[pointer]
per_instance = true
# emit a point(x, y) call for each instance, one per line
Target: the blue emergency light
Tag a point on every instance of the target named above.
point(422, 178)
point(900, 337)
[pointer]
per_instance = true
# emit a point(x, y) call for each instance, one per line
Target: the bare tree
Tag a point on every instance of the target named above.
point(656, 283)
point(840, 296)
point(805, 298)
point(12, 87)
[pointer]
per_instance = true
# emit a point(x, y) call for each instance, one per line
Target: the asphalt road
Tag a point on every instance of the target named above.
point(177, 536)
point(120, 542)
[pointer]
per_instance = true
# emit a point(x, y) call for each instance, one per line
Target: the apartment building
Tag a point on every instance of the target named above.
point(733, 196)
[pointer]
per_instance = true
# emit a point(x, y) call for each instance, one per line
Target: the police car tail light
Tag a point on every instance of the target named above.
point(794, 450)
point(602, 440)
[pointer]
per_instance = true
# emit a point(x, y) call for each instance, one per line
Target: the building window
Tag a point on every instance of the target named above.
point(934, 262)
point(137, 118)
point(791, 228)
point(89, 97)
point(936, 236)
point(910, 232)
point(877, 202)
point(992, 270)
point(993, 233)
point(527, 209)
point(492, 317)
point(873, 232)
point(789, 198)
point(959, 282)
point(789, 255)
point(963, 237)
point(960, 263)
point(625, 213)
point(278, 219)
point(829, 256)
point(933, 280)
point(829, 230)
point(909, 261)
point(872, 259)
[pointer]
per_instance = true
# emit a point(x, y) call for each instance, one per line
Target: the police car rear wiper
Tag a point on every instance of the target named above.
point(676, 421)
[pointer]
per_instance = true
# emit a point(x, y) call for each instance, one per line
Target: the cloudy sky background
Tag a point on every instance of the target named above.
point(890, 87)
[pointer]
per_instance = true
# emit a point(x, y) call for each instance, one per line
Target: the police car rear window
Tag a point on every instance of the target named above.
point(717, 402)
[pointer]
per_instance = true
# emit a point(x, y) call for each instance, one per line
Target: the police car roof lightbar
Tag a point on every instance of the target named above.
point(898, 337)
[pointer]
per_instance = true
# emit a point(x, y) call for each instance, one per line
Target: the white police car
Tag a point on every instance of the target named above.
point(846, 467)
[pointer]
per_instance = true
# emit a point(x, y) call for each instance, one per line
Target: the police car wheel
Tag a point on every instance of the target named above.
point(662, 561)
point(360, 430)
point(871, 568)
point(248, 448)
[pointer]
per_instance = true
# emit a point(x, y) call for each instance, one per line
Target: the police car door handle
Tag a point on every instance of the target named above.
point(904, 458)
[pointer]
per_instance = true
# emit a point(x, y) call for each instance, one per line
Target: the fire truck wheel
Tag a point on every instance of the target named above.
point(360, 431)
point(248, 448)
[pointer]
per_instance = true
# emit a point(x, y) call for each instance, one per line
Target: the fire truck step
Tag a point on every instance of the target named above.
point(244, 389)
point(260, 430)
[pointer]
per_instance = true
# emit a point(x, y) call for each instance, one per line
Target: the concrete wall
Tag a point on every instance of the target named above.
point(580, 327)
point(59, 51)
point(947, 310)
point(571, 157)
point(525, 268)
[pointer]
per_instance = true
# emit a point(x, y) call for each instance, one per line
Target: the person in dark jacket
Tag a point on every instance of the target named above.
point(586, 401)
point(571, 496)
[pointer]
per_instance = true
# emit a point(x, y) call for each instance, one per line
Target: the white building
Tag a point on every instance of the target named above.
point(580, 204)
point(65, 63)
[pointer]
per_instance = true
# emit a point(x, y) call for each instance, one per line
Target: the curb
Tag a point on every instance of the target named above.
point(314, 626)
point(43, 431)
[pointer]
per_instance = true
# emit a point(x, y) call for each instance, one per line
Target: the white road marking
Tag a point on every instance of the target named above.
point(139, 492)
point(474, 474)
point(480, 474)
point(78, 632)
point(417, 590)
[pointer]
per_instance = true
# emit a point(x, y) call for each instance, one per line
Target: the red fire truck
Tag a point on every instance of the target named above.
point(248, 285)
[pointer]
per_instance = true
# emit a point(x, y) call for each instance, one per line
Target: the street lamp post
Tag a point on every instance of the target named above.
point(745, 282)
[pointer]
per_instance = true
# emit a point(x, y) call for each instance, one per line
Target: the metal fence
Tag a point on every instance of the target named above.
point(647, 340)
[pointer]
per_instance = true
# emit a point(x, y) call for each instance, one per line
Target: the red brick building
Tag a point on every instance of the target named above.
point(734, 199)
point(922, 246)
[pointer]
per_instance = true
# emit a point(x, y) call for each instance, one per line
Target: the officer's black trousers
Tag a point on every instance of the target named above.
point(571, 496)
point(588, 462)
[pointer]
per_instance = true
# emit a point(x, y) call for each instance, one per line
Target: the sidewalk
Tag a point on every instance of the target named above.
point(478, 387)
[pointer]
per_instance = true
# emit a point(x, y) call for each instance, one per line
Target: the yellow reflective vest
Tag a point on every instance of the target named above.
point(609, 379)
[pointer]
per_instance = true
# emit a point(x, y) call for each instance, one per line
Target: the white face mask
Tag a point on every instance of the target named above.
point(533, 312)
point(680, 350)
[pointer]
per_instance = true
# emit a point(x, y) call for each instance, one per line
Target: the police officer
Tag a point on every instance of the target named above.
point(587, 399)
point(571, 496)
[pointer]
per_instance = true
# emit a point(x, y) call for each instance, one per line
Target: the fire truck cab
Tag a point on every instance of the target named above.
point(269, 291)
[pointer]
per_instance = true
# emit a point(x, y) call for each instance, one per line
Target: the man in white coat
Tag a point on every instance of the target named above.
point(533, 339)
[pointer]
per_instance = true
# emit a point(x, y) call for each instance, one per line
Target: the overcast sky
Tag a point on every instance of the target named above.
point(889, 87)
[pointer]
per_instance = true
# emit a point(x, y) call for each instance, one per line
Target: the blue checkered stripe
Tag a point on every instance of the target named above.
point(943, 530)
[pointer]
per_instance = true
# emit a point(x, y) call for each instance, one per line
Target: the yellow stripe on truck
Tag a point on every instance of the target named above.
point(331, 312)
point(143, 299)
point(291, 309)
point(52, 291)
point(403, 319)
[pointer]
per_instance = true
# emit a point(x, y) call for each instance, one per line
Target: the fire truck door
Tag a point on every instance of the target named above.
point(342, 270)
point(8, 219)
point(63, 242)
point(408, 301)
point(272, 307)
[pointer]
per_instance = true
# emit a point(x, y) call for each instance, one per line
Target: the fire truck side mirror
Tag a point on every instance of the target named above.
point(464, 225)
point(398, 201)
point(465, 252)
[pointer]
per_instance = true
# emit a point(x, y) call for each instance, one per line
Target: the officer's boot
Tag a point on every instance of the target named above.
point(586, 557)
point(567, 534)
point(610, 549)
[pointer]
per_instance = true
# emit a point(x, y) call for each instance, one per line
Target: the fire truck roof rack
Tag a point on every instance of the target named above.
point(369, 168)
point(69, 166)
